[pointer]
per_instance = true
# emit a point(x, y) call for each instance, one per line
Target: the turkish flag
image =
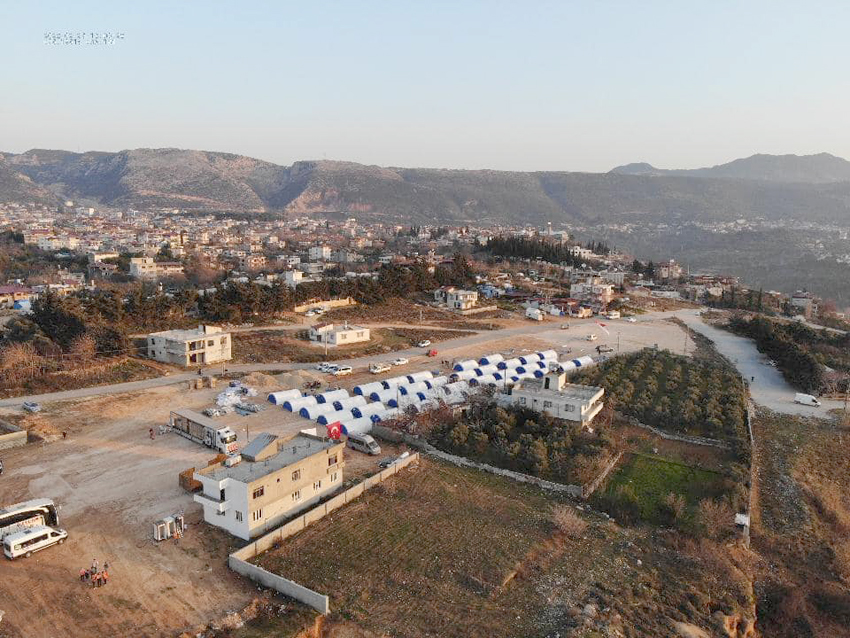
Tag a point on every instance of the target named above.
point(334, 430)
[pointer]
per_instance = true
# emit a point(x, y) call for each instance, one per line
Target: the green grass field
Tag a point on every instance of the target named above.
point(652, 479)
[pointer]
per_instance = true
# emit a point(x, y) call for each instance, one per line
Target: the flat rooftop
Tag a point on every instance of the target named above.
point(290, 451)
point(188, 334)
point(582, 393)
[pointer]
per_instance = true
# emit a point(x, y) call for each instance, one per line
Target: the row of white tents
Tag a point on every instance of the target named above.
point(383, 400)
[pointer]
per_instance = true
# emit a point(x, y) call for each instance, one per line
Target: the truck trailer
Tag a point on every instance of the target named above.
point(201, 429)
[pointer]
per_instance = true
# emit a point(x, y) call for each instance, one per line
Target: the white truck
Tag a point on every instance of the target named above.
point(535, 314)
point(378, 368)
point(202, 429)
point(806, 399)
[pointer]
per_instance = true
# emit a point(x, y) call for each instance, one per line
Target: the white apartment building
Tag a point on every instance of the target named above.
point(554, 396)
point(594, 290)
point(148, 268)
point(293, 277)
point(202, 346)
point(271, 481)
point(338, 335)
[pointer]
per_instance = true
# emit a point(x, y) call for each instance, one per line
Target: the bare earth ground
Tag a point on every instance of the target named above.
point(112, 482)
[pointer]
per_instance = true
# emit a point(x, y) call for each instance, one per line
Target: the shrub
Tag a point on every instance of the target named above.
point(568, 522)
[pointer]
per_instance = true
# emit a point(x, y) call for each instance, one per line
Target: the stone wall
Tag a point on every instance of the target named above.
point(684, 438)
point(238, 560)
point(11, 436)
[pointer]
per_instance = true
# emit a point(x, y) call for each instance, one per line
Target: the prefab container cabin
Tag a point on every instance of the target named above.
point(331, 396)
point(277, 398)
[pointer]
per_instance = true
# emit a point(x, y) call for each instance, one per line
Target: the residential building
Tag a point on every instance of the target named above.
point(554, 396)
point(293, 277)
point(319, 253)
point(455, 298)
point(11, 294)
point(252, 261)
point(804, 303)
point(202, 346)
point(272, 480)
point(669, 270)
point(594, 290)
point(338, 335)
point(148, 268)
point(101, 270)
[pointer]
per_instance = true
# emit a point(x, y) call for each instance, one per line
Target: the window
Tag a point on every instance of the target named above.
point(296, 475)
point(257, 514)
point(224, 341)
point(570, 408)
point(333, 477)
point(332, 460)
point(547, 404)
point(259, 491)
point(317, 485)
point(296, 495)
point(522, 400)
point(210, 342)
point(238, 515)
point(360, 334)
point(343, 336)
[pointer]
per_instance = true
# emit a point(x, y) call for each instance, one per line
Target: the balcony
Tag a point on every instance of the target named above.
point(208, 501)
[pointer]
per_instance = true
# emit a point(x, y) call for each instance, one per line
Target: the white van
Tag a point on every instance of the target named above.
point(363, 443)
point(806, 399)
point(31, 540)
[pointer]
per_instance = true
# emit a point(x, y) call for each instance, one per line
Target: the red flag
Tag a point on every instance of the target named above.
point(334, 430)
point(602, 325)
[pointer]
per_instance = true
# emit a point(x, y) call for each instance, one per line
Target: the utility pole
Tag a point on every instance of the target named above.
point(618, 342)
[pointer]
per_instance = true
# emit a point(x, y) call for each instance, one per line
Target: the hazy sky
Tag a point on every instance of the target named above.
point(463, 84)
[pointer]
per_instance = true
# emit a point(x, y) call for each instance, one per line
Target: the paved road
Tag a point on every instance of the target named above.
point(546, 329)
point(768, 387)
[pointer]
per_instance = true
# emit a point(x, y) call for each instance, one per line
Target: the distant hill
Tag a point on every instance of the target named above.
point(203, 180)
point(822, 168)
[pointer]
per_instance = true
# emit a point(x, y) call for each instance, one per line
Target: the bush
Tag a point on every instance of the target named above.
point(568, 522)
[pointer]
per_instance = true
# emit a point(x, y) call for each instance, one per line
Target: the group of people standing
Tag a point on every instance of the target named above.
point(98, 578)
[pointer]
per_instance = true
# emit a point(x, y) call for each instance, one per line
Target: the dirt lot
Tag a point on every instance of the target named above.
point(274, 346)
point(445, 551)
point(401, 311)
point(801, 526)
point(111, 482)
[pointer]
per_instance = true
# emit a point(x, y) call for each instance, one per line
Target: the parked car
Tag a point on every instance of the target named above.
point(631, 319)
point(342, 370)
point(385, 462)
point(401, 361)
point(32, 406)
point(310, 313)
point(565, 326)
point(601, 348)
point(592, 337)
point(424, 343)
point(378, 368)
point(25, 542)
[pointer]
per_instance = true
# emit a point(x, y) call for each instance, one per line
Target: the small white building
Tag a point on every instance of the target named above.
point(201, 346)
point(147, 268)
point(293, 277)
point(335, 335)
point(271, 480)
point(554, 396)
point(455, 298)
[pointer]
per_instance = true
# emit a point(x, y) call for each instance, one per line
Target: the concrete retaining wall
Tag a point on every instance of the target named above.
point(317, 601)
point(237, 561)
point(11, 436)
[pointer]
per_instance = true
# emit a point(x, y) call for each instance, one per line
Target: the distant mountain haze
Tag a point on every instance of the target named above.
point(822, 168)
point(814, 187)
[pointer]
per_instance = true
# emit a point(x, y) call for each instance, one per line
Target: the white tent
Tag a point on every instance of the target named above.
point(277, 398)
point(348, 403)
point(464, 375)
point(313, 412)
point(394, 381)
point(368, 410)
point(413, 388)
point(366, 389)
point(491, 359)
point(468, 364)
point(293, 405)
point(488, 369)
point(548, 354)
point(509, 364)
point(419, 376)
point(362, 425)
point(385, 395)
point(331, 396)
point(436, 382)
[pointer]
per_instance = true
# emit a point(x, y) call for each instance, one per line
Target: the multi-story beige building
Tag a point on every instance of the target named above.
point(202, 346)
point(274, 480)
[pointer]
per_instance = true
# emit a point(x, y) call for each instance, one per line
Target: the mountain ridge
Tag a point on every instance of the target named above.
point(211, 180)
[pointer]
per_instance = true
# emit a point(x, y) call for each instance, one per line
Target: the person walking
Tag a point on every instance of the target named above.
point(95, 578)
point(93, 565)
point(83, 573)
point(1, 467)
point(105, 565)
point(151, 434)
point(105, 576)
